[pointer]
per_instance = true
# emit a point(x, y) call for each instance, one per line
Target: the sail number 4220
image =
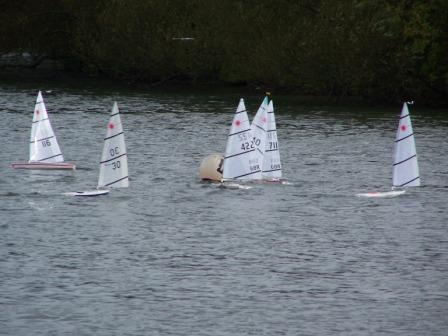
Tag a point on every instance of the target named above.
point(250, 145)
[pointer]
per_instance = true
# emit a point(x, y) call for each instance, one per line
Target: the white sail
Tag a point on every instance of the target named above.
point(259, 129)
point(43, 144)
point(114, 161)
point(240, 159)
point(405, 171)
point(272, 167)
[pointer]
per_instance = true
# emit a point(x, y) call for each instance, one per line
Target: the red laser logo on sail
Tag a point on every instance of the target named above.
point(111, 125)
point(403, 128)
point(237, 122)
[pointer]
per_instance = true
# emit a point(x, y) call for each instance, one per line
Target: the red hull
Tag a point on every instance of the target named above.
point(44, 165)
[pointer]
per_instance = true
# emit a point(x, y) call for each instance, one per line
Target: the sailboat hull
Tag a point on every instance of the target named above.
point(90, 193)
point(44, 165)
point(383, 194)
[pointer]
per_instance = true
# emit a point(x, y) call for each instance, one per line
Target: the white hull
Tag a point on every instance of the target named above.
point(383, 194)
point(89, 193)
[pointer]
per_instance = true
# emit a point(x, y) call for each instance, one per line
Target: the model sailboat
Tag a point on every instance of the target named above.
point(405, 164)
point(114, 162)
point(240, 159)
point(264, 130)
point(259, 128)
point(405, 171)
point(272, 167)
point(44, 148)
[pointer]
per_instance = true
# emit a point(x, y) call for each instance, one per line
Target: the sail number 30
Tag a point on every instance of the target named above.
point(113, 152)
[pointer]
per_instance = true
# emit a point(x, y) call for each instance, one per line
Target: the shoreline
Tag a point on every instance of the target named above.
point(52, 71)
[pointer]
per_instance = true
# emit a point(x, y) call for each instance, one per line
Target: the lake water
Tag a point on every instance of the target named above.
point(172, 255)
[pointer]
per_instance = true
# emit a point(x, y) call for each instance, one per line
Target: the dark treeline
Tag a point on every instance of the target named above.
point(385, 50)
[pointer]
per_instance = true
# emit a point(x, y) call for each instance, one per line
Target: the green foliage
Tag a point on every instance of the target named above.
point(34, 26)
point(386, 50)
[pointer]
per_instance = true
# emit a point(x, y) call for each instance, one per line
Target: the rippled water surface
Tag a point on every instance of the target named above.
point(172, 255)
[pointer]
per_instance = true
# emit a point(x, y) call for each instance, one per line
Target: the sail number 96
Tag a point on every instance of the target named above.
point(46, 143)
